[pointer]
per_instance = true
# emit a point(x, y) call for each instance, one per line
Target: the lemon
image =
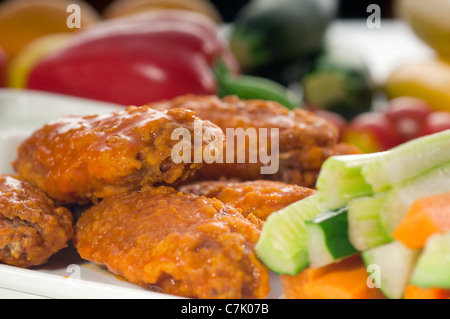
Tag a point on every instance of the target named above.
point(428, 80)
point(429, 20)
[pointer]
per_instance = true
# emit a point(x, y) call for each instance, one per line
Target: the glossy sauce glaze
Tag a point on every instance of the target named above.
point(186, 245)
point(32, 226)
point(79, 159)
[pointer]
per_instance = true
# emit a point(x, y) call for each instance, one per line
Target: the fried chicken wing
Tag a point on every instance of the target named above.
point(259, 198)
point(304, 141)
point(32, 227)
point(79, 159)
point(185, 245)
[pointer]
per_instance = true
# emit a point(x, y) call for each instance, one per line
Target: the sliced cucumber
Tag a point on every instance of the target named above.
point(433, 267)
point(408, 161)
point(340, 180)
point(282, 246)
point(401, 197)
point(364, 230)
point(390, 267)
point(328, 238)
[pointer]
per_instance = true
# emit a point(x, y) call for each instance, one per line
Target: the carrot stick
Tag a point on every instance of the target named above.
point(426, 216)
point(414, 292)
point(346, 279)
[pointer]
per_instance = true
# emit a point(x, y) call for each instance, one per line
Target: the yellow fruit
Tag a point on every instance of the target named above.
point(428, 80)
point(429, 20)
point(120, 8)
point(22, 21)
point(20, 67)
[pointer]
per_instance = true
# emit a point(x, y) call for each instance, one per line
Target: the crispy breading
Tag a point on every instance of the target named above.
point(32, 226)
point(77, 159)
point(305, 140)
point(259, 198)
point(185, 245)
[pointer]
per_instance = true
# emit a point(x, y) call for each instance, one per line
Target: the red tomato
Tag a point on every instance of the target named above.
point(437, 122)
point(408, 115)
point(371, 132)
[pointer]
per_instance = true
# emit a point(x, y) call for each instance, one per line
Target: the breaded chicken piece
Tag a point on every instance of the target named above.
point(182, 244)
point(80, 159)
point(260, 197)
point(32, 227)
point(305, 141)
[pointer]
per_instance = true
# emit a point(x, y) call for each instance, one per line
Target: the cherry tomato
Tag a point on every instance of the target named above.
point(371, 132)
point(437, 122)
point(408, 116)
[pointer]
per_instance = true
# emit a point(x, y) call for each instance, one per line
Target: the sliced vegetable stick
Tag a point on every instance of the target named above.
point(425, 217)
point(346, 279)
point(414, 292)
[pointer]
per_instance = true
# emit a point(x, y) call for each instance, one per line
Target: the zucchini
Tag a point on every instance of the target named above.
point(391, 266)
point(282, 246)
point(327, 238)
point(364, 230)
point(401, 197)
point(407, 161)
point(433, 267)
point(339, 82)
point(270, 32)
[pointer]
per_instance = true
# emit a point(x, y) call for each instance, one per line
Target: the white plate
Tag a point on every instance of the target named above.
point(66, 275)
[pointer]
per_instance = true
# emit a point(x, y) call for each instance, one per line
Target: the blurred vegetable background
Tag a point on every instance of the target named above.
point(128, 52)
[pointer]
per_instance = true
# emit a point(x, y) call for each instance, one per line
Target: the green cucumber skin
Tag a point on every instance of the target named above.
point(334, 227)
point(433, 267)
point(282, 246)
point(395, 264)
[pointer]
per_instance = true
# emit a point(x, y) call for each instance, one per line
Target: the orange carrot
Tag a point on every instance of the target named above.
point(346, 279)
point(414, 292)
point(426, 216)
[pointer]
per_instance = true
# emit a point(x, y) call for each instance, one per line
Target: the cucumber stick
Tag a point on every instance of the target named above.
point(282, 246)
point(390, 267)
point(401, 197)
point(328, 238)
point(433, 266)
point(408, 161)
point(364, 229)
point(340, 180)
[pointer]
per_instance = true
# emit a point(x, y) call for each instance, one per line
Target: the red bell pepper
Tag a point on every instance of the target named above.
point(137, 60)
point(2, 66)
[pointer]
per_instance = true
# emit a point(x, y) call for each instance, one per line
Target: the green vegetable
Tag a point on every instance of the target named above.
point(401, 197)
point(390, 267)
point(252, 87)
point(364, 230)
point(433, 267)
point(282, 246)
point(340, 82)
point(340, 180)
point(267, 32)
point(327, 238)
point(407, 161)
